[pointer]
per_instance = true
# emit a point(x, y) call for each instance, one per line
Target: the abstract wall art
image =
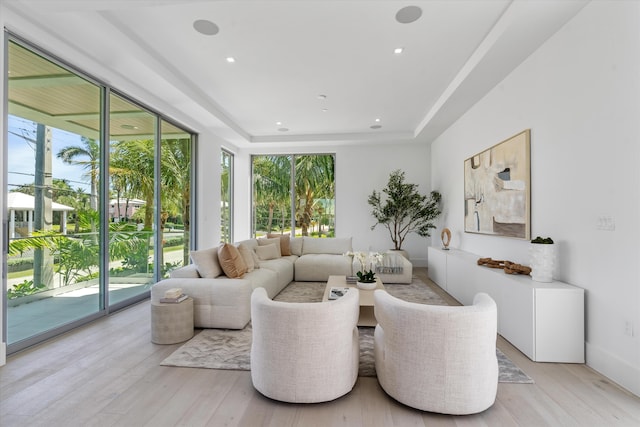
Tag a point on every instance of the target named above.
point(497, 189)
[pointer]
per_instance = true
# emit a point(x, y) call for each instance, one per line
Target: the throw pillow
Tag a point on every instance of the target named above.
point(268, 252)
point(206, 262)
point(245, 251)
point(231, 261)
point(275, 240)
point(256, 259)
point(285, 245)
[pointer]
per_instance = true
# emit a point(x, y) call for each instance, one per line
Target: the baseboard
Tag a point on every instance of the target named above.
point(621, 372)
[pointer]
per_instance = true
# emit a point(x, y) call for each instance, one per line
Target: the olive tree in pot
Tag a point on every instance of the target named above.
point(403, 210)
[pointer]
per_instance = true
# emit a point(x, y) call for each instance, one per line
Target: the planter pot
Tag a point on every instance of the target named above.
point(542, 261)
point(366, 286)
point(400, 252)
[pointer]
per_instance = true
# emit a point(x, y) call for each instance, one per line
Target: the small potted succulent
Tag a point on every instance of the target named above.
point(542, 259)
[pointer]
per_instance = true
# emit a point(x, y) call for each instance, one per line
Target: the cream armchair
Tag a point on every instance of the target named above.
point(304, 352)
point(437, 358)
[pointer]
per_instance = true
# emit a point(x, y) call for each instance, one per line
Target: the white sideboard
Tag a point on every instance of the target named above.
point(543, 320)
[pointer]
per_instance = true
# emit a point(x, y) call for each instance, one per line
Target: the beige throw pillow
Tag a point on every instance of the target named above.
point(268, 252)
point(272, 241)
point(285, 245)
point(206, 262)
point(247, 257)
point(231, 261)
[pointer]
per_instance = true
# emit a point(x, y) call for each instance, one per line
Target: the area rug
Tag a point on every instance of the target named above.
point(230, 349)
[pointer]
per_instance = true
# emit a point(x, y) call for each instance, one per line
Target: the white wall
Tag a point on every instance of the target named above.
point(360, 169)
point(580, 96)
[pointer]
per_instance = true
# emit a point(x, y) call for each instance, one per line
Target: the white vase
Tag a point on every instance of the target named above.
point(366, 286)
point(542, 261)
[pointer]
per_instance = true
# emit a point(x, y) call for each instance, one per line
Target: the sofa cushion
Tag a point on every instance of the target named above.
point(296, 246)
point(268, 252)
point(206, 262)
point(318, 267)
point(285, 243)
point(332, 245)
point(267, 279)
point(231, 261)
point(247, 257)
point(283, 267)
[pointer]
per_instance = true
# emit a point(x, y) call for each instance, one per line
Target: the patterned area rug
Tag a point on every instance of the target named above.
point(230, 349)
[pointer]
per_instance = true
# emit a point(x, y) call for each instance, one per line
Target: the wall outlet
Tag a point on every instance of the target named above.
point(628, 328)
point(605, 223)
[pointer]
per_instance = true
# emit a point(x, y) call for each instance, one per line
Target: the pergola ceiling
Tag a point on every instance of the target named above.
point(287, 55)
point(47, 93)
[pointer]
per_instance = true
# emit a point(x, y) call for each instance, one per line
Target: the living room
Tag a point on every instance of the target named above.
point(579, 95)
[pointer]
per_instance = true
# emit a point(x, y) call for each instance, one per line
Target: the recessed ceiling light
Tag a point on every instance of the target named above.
point(278, 123)
point(231, 59)
point(375, 127)
point(322, 96)
point(283, 130)
point(377, 120)
point(206, 27)
point(398, 50)
point(408, 14)
point(324, 110)
point(129, 127)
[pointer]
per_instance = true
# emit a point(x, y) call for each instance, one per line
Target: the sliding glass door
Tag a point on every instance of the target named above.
point(98, 198)
point(53, 196)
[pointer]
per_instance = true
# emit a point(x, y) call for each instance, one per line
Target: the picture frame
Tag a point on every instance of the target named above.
point(497, 189)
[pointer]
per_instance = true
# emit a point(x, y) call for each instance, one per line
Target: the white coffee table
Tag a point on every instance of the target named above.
point(367, 316)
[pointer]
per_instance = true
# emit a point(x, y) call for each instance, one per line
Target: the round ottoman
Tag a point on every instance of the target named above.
point(171, 323)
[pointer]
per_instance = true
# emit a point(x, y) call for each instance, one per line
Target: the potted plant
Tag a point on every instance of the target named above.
point(543, 259)
point(366, 279)
point(404, 210)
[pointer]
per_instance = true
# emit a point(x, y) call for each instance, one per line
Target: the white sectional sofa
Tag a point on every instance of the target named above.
point(224, 302)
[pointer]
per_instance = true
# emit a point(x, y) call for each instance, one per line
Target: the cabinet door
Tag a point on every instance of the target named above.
point(516, 316)
point(559, 323)
point(437, 267)
point(462, 277)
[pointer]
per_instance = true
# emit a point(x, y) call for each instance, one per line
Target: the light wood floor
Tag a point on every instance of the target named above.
point(108, 374)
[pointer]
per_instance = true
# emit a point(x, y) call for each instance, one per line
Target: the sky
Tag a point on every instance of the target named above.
point(22, 155)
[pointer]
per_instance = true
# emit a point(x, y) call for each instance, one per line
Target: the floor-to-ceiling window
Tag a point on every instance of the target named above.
point(132, 201)
point(98, 197)
point(176, 190)
point(226, 196)
point(53, 197)
point(294, 194)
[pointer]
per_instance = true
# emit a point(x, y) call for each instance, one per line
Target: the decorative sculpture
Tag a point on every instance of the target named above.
point(445, 236)
point(508, 266)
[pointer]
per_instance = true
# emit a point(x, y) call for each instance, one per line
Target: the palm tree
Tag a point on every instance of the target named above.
point(88, 156)
point(132, 162)
point(176, 184)
point(314, 180)
point(271, 177)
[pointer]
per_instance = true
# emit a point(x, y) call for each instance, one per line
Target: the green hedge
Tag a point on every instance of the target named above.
point(19, 264)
